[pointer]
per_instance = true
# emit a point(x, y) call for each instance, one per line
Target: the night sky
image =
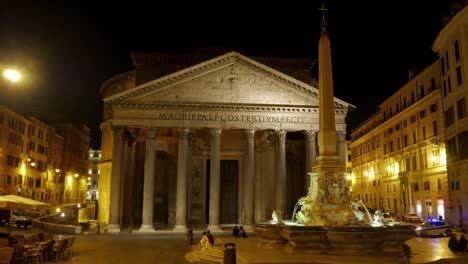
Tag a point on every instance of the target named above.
point(67, 50)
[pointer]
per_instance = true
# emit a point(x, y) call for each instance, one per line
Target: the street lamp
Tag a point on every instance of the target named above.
point(11, 74)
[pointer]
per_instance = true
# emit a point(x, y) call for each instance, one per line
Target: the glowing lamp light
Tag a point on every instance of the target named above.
point(76, 175)
point(33, 164)
point(390, 168)
point(11, 75)
point(433, 158)
point(57, 210)
point(57, 170)
point(366, 173)
point(78, 205)
point(62, 214)
point(89, 178)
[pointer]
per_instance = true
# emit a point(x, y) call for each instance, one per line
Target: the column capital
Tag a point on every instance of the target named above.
point(341, 135)
point(281, 135)
point(184, 133)
point(118, 129)
point(215, 132)
point(151, 132)
point(310, 136)
point(249, 133)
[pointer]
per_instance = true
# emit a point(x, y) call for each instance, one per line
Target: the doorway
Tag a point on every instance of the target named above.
point(229, 186)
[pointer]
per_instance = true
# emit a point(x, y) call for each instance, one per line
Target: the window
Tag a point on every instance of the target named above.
point(459, 75)
point(424, 133)
point(457, 50)
point(447, 60)
point(434, 128)
point(433, 85)
point(442, 65)
point(433, 108)
point(416, 186)
point(405, 123)
point(391, 146)
point(404, 102)
point(397, 127)
point(421, 91)
point(398, 143)
point(449, 84)
point(427, 186)
point(405, 140)
point(424, 160)
point(408, 164)
point(422, 114)
point(412, 97)
point(412, 119)
point(461, 108)
point(414, 165)
point(414, 137)
point(439, 184)
point(449, 116)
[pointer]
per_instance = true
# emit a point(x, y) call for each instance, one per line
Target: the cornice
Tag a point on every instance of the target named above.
point(223, 107)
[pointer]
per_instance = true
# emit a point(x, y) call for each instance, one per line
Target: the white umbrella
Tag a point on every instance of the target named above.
point(36, 205)
point(8, 203)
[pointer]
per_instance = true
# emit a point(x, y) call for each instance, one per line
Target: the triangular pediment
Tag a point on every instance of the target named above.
point(228, 79)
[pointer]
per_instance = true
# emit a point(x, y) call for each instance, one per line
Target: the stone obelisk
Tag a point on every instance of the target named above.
point(328, 200)
point(328, 159)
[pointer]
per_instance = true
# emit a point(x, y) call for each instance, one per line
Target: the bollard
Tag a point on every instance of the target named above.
point(98, 228)
point(229, 253)
point(189, 238)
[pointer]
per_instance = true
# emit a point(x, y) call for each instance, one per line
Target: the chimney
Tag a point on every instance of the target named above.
point(410, 74)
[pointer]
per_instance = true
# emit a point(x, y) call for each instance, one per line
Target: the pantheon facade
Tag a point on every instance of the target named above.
point(200, 139)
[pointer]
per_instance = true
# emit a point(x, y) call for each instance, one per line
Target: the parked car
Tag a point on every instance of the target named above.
point(412, 218)
point(434, 228)
point(14, 217)
point(387, 217)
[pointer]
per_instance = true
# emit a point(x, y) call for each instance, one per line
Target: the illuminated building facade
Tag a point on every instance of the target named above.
point(451, 45)
point(191, 139)
point(399, 154)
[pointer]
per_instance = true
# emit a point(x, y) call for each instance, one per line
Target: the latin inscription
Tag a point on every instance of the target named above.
point(231, 117)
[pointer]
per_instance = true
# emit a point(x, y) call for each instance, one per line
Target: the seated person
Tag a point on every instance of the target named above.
point(235, 231)
point(242, 232)
point(462, 243)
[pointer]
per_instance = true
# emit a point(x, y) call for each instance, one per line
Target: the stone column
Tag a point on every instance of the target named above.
point(249, 181)
point(341, 147)
point(215, 188)
point(311, 155)
point(281, 176)
point(182, 164)
point(116, 178)
point(148, 184)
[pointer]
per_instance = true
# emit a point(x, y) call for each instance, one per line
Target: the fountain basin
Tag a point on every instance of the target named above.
point(346, 240)
point(269, 234)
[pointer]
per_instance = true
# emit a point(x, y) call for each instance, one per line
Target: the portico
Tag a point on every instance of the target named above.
point(223, 142)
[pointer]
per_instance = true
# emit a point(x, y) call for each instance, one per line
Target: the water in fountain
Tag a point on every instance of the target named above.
point(371, 219)
point(293, 218)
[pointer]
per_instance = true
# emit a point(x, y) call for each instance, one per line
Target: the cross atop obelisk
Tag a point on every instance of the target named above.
point(323, 10)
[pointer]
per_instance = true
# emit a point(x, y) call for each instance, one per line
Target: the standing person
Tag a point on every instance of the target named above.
point(210, 237)
point(235, 231)
point(242, 232)
point(462, 242)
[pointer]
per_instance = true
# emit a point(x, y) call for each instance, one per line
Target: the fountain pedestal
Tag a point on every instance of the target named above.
point(269, 234)
point(305, 239)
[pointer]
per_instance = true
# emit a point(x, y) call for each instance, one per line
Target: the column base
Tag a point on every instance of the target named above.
point(180, 228)
point(146, 229)
point(248, 227)
point(113, 228)
point(214, 228)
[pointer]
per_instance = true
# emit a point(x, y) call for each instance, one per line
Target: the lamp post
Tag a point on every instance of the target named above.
point(12, 75)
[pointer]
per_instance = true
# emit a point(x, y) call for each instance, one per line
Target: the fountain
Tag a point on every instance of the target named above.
point(329, 221)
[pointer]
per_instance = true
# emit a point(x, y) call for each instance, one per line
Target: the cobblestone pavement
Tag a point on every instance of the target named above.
point(169, 247)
